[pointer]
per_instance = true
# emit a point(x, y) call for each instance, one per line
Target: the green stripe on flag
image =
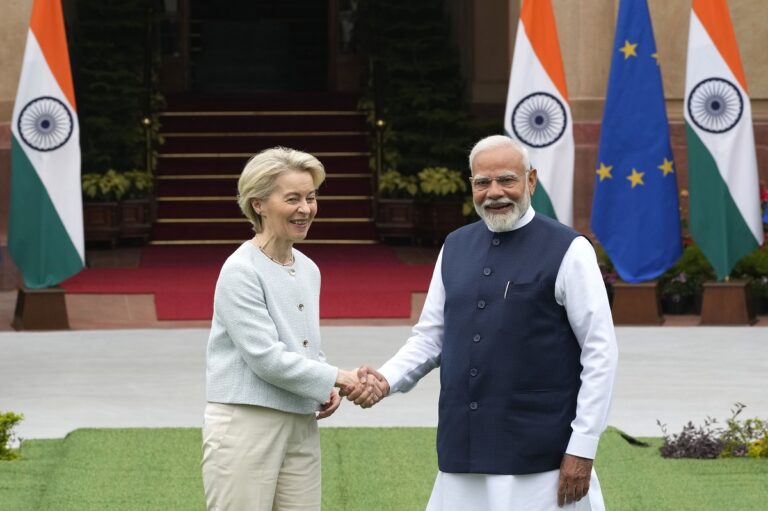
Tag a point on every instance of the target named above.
point(37, 240)
point(541, 203)
point(716, 222)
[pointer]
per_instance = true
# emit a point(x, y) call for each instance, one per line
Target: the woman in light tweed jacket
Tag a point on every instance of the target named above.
point(267, 379)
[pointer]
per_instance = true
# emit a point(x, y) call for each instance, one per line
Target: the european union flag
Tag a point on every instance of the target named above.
point(635, 213)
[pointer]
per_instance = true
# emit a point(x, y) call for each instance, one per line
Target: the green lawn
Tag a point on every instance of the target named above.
point(363, 468)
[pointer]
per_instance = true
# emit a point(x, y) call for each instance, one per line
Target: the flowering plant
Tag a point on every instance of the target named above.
point(678, 287)
point(739, 438)
point(686, 278)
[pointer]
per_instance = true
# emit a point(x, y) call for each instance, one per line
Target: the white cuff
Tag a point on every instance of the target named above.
point(392, 376)
point(584, 446)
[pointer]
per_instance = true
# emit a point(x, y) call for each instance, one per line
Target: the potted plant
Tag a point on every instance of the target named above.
point(753, 268)
point(101, 196)
point(135, 208)
point(678, 294)
point(442, 194)
point(395, 210)
point(681, 286)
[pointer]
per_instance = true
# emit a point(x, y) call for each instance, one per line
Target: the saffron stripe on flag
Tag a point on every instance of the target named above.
point(537, 113)
point(47, 24)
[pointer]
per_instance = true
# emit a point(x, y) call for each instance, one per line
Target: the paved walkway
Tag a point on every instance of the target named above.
point(62, 381)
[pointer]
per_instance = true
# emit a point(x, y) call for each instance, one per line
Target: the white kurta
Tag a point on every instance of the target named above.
point(579, 288)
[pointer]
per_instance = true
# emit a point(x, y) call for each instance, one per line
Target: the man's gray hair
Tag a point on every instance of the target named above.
point(495, 141)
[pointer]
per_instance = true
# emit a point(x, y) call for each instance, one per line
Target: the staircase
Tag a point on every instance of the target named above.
point(209, 138)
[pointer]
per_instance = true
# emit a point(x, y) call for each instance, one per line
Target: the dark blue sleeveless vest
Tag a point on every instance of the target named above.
point(509, 369)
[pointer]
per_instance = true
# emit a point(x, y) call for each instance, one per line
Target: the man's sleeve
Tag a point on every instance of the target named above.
point(421, 352)
point(580, 289)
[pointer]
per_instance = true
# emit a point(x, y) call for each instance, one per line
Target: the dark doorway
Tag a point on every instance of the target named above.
point(258, 45)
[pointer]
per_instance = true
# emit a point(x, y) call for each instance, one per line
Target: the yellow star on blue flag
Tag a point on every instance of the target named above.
point(635, 213)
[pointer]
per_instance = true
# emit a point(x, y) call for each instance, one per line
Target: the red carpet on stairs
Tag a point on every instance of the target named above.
point(359, 281)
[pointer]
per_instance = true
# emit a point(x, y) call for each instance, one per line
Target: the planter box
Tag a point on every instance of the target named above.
point(101, 221)
point(135, 219)
point(678, 305)
point(396, 218)
point(41, 309)
point(727, 303)
point(636, 304)
point(436, 220)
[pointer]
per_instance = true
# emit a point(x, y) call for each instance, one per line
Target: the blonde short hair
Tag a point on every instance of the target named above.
point(257, 181)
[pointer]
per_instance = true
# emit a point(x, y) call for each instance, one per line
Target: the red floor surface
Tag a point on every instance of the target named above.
point(358, 281)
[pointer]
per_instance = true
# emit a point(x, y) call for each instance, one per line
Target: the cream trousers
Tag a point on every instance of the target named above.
point(260, 459)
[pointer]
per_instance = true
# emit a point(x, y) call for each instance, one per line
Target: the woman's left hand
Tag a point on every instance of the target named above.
point(330, 406)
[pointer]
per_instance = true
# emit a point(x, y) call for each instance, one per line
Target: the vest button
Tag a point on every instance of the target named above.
point(305, 343)
point(473, 372)
point(301, 306)
point(473, 405)
point(486, 271)
point(481, 304)
point(496, 242)
point(476, 338)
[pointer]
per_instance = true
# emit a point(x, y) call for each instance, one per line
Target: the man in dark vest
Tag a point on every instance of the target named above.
point(517, 318)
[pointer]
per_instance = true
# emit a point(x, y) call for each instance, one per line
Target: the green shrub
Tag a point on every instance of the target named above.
point(109, 55)
point(416, 84)
point(739, 438)
point(140, 184)
point(441, 183)
point(748, 437)
point(8, 421)
point(394, 185)
point(753, 268)
point(110, 186)
point(686, 278)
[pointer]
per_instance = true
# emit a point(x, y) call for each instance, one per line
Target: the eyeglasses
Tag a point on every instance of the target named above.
point(481, 183)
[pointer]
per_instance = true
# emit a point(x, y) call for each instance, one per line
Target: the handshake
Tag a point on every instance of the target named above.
point(364, 386)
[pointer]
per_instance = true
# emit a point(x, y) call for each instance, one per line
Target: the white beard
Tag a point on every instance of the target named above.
point(503, 222)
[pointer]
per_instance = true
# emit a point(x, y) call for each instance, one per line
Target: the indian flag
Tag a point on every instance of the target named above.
point(45, 228)
point(722, 164)
point(538, 114)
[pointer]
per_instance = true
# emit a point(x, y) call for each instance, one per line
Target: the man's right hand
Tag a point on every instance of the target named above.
point(371, 389)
